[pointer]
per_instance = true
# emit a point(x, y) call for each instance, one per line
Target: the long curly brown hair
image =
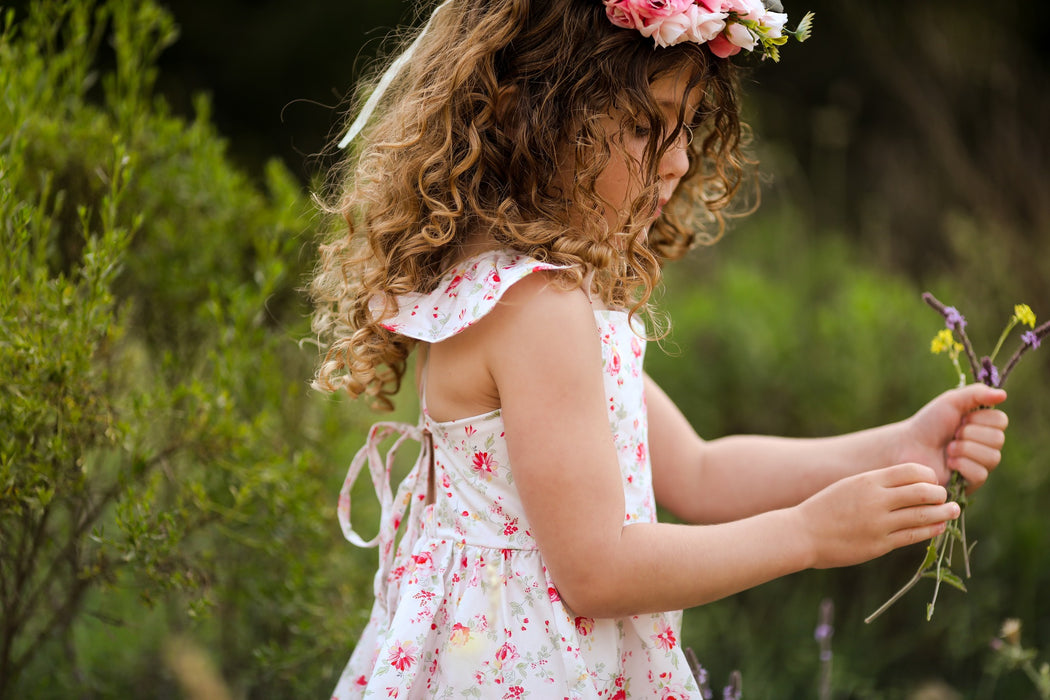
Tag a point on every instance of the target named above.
point(470, 140)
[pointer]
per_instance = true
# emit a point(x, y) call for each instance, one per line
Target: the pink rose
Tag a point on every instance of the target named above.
point(722, 47)
point(706, 25)
point(752, 9)
point(668, 31)
point(658, 8)
point(620, 16)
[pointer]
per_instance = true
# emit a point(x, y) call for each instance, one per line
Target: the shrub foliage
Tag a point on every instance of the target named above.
point(156, 438)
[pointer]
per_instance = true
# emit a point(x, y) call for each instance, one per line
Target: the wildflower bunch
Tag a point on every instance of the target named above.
point(953, 341)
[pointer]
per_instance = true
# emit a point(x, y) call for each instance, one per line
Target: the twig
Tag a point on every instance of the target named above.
point(960, 325)
point(1039, 333)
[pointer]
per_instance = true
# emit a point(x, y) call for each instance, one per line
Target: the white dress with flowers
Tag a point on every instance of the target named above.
point(464, 606)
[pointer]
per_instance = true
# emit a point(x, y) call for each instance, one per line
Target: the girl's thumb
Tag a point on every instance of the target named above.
point(978, 396)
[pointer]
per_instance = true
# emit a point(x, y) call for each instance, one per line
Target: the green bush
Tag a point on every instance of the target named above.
point(159, 444)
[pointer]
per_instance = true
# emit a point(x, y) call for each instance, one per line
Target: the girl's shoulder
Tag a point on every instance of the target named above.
point(465, 294)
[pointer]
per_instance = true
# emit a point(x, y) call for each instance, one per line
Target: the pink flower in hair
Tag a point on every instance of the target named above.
point(652, 9)
point(707, 25)
point(620, 14)
point(741, 36)
point(745, 9)
point(723, 48)
point(693, 23)
point(668, 31)
point(727, 26)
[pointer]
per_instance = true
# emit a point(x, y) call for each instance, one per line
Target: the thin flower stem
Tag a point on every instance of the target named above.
point(1040, 333)
point(1002, 337)
point(934, 543)
point(975, 366)
point(957, 493)
point(959, 369)
point(895, 597)
point(937, 586)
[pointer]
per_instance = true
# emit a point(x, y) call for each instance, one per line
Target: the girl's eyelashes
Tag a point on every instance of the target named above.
point(643, 132)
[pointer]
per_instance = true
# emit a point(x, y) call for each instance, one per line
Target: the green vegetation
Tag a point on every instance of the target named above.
point(168, 479)
point(165, 471)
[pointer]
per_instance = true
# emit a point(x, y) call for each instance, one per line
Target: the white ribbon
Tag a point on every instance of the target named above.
point(392, 508)
point(388, 77)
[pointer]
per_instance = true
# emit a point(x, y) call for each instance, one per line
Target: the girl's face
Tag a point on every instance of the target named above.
point(623, 178)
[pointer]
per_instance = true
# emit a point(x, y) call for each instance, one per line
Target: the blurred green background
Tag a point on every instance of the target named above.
point(168, 479)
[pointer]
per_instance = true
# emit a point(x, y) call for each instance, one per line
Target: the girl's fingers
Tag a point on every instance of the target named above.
point(914, 535)
point(975, 451)
point(924, 518)
point(906, 474)
point(974, 473)
point(982, 434)
point(984, 455)
point(974, 396)
point(917, 495)
point(988, 417)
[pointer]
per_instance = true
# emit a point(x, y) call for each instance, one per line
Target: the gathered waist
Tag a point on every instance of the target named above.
point(440, 526)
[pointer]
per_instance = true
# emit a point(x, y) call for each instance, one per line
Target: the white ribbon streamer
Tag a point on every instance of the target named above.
point(388, 77)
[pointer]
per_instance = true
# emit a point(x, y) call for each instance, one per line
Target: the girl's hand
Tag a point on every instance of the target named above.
point(957, 432)
point(867, 515)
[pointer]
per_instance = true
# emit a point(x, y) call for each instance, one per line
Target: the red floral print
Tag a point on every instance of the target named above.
point(403, 656)
point(484, 464)
point(464, 603)
point(665, 639)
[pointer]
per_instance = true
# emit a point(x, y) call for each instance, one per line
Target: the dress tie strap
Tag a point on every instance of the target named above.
point(412, 488)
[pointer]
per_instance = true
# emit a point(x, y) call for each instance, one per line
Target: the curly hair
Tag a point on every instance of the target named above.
point(471, 137)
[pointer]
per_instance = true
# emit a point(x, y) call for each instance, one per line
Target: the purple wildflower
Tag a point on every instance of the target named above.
point(989, 373)
point(953, 318)
point(823, 632)
point(1030, 339)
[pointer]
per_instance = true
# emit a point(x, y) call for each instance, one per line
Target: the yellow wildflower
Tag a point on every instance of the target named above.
point(1024, 314)
point(944, 341)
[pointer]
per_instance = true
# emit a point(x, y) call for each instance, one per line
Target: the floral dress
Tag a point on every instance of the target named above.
point(464, 606)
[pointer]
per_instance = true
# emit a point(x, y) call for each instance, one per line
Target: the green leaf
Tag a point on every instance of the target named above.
point(947, 576)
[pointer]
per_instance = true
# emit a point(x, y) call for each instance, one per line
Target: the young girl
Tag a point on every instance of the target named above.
point(509, 207)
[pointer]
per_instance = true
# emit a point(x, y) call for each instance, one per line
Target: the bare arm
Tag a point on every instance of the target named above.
point(543, 352)
point(737, 476)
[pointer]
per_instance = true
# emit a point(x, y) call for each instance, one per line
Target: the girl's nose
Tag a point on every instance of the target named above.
point(675, 161)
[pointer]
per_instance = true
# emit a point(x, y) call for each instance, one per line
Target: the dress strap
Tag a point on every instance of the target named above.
point(423, 358)
point(411, 491)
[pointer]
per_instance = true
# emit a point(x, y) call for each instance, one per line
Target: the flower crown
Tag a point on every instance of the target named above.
point(726, 26)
